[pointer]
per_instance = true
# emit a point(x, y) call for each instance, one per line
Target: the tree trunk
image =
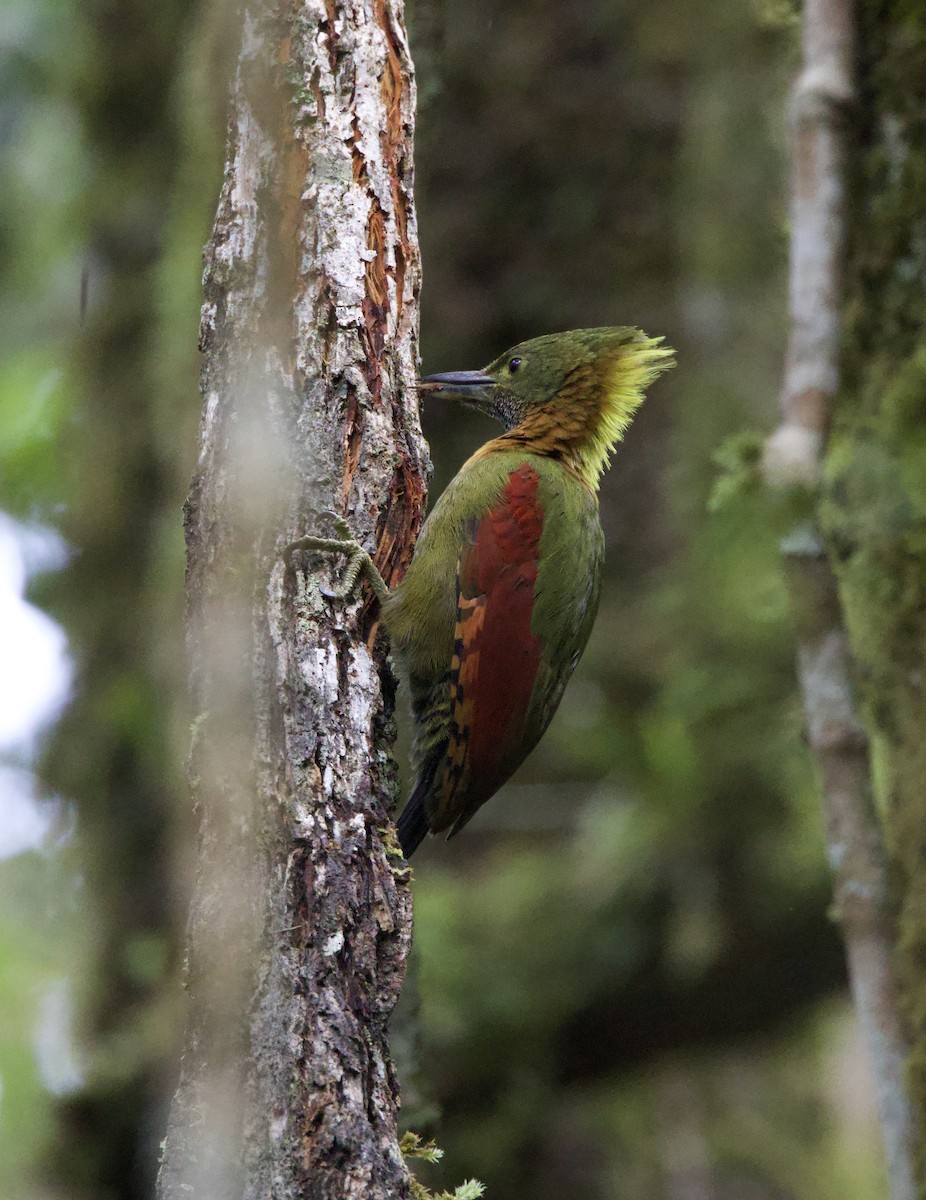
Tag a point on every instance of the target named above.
point(301, 919)
point(873, 510)
point(855, 372)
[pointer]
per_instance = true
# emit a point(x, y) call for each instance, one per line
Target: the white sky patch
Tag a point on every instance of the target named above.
point(54, 1046)
point(35, 679)
point(35, 672)
point(26, 820)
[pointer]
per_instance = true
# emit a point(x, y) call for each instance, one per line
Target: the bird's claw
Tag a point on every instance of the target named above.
point(359, 562)
point(310, 543)
point(341, 526)
point(344, 543)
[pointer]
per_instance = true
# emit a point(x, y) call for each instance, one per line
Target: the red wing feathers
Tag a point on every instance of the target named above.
point(496, 654)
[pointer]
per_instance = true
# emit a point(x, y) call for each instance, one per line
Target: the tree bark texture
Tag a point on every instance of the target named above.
point(872, 512)
point(301, 918)
point(825, 93)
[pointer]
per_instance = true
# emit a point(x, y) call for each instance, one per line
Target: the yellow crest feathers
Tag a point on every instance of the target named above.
point(628, 372)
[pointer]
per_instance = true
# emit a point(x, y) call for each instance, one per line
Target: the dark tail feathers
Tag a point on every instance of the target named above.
point(412, 824)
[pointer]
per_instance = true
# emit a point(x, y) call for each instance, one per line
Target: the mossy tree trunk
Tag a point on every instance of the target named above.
point(301, 918)
point(874, 506)
point(853, 402)
point(856, 380)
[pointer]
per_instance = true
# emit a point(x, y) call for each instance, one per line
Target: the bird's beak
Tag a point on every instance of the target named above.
point(472, 388)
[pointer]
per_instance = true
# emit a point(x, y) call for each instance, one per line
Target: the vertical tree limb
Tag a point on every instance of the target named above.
point(300, 924)
point(793, 456)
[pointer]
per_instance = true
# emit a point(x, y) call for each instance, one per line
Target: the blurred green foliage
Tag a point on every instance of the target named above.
point(90, 143)
point(42, 937)
point(649, 895)
point(626, 968)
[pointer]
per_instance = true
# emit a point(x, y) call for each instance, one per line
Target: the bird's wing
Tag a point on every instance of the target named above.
point(496, 654)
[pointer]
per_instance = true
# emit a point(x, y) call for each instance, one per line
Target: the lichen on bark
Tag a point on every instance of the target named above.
point(301, 920)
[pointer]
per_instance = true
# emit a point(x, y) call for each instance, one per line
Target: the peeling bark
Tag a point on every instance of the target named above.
point(793, 457)
point(301, 920)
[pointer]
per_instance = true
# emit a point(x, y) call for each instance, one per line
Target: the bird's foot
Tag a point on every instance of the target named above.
point(359, 562)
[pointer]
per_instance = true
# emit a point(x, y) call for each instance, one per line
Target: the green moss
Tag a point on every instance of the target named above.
point(412, 1146)
point(874, 506)
point(738, 460)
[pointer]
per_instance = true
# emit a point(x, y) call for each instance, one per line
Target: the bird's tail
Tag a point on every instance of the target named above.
point(412, 825)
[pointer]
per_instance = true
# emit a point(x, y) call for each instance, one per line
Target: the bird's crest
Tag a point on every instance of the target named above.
point(624, 374)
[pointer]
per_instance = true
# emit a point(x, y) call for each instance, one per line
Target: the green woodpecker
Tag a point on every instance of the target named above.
point(498, 602)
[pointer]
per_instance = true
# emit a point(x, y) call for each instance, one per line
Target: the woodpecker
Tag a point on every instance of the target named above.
point(499, 599)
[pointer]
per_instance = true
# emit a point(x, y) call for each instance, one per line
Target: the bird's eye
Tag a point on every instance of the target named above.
point(513, 365)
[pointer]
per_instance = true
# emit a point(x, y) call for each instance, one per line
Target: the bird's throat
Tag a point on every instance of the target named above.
point(548, 432)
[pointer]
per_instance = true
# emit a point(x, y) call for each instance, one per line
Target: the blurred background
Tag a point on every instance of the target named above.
point(626, 981)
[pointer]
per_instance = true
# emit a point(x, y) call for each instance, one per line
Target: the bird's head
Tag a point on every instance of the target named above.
point(568, 393)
